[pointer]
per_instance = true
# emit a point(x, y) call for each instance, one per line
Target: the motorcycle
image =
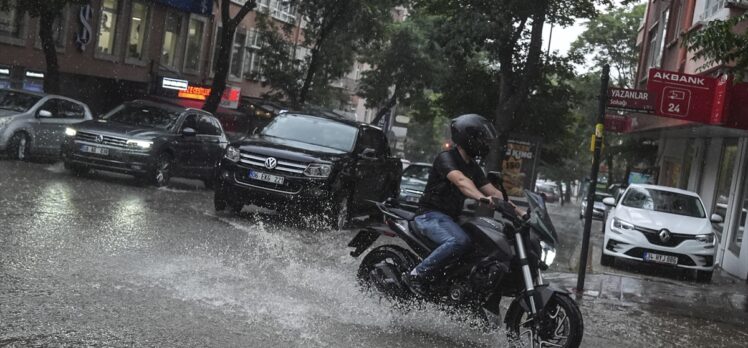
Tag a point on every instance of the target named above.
point(507, 259)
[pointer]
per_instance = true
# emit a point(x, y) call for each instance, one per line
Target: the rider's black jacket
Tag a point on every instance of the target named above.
point(441, 194)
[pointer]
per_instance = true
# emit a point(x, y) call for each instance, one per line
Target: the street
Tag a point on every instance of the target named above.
point(103, 261)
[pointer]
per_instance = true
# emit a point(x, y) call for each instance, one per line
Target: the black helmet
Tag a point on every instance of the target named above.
point(473, 133)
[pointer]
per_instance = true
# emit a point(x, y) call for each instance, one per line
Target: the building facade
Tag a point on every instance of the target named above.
point(709, 160)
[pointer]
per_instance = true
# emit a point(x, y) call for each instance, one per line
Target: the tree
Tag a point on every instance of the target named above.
point(334, 34)
point(610, 38)
point(720, 42)
point(407, 66)
point(509, 33)
point(47, 11)
point(225, 44)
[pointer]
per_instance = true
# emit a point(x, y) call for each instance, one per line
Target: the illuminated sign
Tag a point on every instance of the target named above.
point(4, 71)
point(179, 85)
point(195, 93)
point(33, 74)
point(229, 100)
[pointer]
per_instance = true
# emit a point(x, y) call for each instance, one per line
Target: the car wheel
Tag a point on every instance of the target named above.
point(338, 213)
point(219, 201)
point(704, 276)
point(161, 175)
point(19, 146)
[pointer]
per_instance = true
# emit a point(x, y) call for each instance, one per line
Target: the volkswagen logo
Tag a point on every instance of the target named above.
point(664, 235)
point(270, 163)
point(99, 138)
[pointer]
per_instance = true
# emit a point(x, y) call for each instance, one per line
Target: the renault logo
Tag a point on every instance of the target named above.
point(99, 138)
point(270, 163)
point(664, 235)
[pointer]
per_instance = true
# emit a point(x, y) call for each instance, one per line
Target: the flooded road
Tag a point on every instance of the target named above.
point(102, 261)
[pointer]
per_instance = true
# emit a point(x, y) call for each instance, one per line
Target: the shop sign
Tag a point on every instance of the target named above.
point(230, 97)
point(229, 100)
point(738, 108)
point(4, 70)
point(631, 100)
point(34, 74)
point(683, 96)
point(84, 36)
point(179, 85)
point(518, 166)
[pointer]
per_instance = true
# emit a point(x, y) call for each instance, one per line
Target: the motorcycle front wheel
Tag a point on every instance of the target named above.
point(382, 268)
point(560, 325)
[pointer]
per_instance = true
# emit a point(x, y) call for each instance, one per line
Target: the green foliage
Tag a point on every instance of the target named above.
point(425, 135)
point(611, 38)
point(334, 34)
point(721, 43)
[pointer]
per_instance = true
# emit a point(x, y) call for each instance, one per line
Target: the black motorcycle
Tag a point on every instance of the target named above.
point(508, 256)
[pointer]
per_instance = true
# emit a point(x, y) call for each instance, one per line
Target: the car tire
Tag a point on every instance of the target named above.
point(19, 147)
point(338, 212)
point(219, 201)
point(161, 175)
point(704, 276)
point(607, 260)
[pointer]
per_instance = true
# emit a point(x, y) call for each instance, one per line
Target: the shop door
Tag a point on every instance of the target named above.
point(735, 259)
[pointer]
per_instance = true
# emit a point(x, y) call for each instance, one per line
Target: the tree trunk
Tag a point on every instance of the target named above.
point(221, 69)
point(567, 194)
point(308, 79)
point(46, 36)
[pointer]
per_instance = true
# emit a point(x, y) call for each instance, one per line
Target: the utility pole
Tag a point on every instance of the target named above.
point(597, 143)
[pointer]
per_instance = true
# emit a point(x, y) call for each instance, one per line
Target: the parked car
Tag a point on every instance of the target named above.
point(34, 124)
point(662, 225)
point(412, 184)
point(549, 192)
point(598, 209)
point(310, 161)
point(152, 141)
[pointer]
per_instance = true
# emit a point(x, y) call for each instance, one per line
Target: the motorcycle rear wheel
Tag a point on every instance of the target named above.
point(560, 326)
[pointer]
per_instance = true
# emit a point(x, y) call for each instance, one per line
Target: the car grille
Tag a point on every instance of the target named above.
point(653, 236)
point(682, 259)
point(105, 139)
point(281, 165)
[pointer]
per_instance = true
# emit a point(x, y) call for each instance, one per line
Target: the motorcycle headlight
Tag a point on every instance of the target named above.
point(547, 253)
point(139, 144)
point(706, 238)
point(621, 225)
point(318, 170)
point(232, 154)
point(68, 131)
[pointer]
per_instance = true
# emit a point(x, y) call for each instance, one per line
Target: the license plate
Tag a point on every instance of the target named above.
point(275, 179)
point(666, 259)
point(95, 150)
point(412, 199)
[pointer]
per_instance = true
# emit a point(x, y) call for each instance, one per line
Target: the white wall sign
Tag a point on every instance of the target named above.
point(179, 85)
point(36, 75)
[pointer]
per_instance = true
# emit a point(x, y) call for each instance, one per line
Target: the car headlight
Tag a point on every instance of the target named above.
point(318, 170)
point(706, 238)
point(621, 225)
point(547, 253)
point(68, 131)
point(232, 154)
point(139, 144)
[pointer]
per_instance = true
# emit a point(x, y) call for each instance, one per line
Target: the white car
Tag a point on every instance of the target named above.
point(661, 225)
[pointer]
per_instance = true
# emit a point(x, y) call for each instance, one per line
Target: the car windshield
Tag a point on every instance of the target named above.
point(417, 172)
point(17, 101)
point(312, 130)
point(140, 115)
point(664, 201)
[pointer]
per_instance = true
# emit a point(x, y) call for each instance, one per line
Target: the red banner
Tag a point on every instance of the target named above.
point(684, 96)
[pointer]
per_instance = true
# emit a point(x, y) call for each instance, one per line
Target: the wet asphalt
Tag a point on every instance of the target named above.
point(100, 260)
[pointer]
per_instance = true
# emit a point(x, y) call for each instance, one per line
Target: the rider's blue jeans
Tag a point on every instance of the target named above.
point(452, 240)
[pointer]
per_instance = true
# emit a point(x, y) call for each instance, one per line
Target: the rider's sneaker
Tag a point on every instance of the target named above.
point(416, 284)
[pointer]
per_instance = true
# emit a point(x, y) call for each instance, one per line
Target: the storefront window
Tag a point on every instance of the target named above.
point(724, 180)
point(11, 22)
point(107, 27)
point(237, 54)
point(194, 44)
point(740, 224)
point(138, 30)
point(171, 39)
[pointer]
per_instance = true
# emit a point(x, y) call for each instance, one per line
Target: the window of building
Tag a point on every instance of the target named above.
point(278, 9)
point(711, 7)
point(237, 54)
point(216, 47)
point(194, 50)
point(138, 30)
point(12, 24)
point(252, 65)
point(661, 36)
point(107, 27)
point(724, 181)
point(652, 53)
point(677, 24)
point(172, 32)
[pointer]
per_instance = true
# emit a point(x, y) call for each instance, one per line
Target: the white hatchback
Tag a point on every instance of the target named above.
point(663, 225)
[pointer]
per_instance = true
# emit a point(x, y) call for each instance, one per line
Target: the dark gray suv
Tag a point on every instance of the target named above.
point(152, 141)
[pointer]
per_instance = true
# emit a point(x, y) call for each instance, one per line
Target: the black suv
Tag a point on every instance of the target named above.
point(309, 162)
point(150, 140)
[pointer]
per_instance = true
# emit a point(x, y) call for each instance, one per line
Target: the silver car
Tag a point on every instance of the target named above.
point(34, 123)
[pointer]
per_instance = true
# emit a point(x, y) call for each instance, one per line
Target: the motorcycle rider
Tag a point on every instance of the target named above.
point(454, 176)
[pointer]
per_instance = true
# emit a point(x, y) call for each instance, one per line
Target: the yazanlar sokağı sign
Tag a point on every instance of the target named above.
point(518, 166)
point(631, 100)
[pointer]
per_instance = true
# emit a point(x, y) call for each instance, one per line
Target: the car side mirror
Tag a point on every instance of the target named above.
point(44, 114)
point(717, 219)
point(189, 132)
point(369, 154)
point(609, 201)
